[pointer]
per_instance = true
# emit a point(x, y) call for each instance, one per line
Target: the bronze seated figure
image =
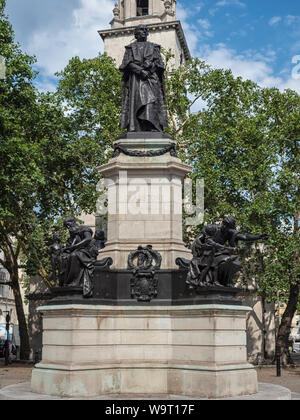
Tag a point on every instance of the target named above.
point(214, 262)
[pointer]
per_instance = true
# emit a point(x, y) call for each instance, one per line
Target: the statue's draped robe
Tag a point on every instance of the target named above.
point(144, 101)
point(80, 263)
point(211, 254)
point(203, 251)
point(228, 265)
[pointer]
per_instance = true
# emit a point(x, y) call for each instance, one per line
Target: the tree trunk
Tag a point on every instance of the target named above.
point(23, 329)
point(286, 323)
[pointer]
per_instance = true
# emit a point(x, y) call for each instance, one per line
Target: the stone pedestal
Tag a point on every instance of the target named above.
point(145, 199)
point(196, 351)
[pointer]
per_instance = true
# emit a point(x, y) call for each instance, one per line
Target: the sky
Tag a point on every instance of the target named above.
point(256, 39)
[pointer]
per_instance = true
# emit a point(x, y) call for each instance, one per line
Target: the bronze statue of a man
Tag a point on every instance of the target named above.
point(144, 98)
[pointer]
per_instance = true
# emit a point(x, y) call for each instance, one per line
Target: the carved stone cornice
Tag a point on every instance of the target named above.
point(152, 27)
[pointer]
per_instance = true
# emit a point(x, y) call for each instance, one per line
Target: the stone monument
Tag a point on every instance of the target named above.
point(145, 168)
point(149, 316)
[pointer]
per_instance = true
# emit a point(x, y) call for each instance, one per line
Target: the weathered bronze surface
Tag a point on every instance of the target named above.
point(144, 282)
point(73, 264)
point(143, 87)
point(214, 262)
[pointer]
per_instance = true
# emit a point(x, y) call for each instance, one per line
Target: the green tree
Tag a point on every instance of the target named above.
point(90, 91)
point(17, 173)
point(244, 141)
point(282, 260)
point(50, 148)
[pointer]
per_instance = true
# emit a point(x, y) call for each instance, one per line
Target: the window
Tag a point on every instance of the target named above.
point(142, 8)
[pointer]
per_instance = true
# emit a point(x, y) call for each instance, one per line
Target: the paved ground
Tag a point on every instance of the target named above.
point(14, 374)
point(290, 378)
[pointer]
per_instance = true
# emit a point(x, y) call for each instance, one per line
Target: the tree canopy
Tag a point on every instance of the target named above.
point(244, 142)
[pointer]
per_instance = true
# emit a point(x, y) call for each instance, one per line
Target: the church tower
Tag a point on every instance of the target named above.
point(160, 18)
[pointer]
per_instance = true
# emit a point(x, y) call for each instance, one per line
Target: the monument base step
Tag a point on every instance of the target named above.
point(193, 351)
point(265, 392)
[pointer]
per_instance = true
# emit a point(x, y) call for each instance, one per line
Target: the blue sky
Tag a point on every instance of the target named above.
point(259, 40)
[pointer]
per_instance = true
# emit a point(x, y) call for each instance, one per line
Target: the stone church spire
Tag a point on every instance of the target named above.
point(160, 18)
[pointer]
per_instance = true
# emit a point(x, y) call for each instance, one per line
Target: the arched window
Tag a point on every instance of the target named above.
point(142, 7)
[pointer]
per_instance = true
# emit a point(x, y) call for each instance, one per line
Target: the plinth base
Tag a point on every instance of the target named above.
point(21, 392)
point(195, 351)
point(113, 287)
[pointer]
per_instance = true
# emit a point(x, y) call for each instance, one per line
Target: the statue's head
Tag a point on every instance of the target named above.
point(70, 224)
point(99, 234)
point(141, 33)
point(229, 222)
point(211, 230)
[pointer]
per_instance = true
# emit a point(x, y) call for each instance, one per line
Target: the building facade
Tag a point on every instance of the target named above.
point(160, 18)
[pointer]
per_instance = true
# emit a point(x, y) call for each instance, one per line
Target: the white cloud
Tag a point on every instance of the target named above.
point(54, 47)
point(57, 30)
point(28, 16)
point(223, 3)
point(213, 11)
point(290, 83)
point(255, 68)
point(46, 85)
point(274, 20)
point(204, 23)
point(222, 57)
point(290, 20)
point(200, 6)
point(191, 33)
point(295, 48)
